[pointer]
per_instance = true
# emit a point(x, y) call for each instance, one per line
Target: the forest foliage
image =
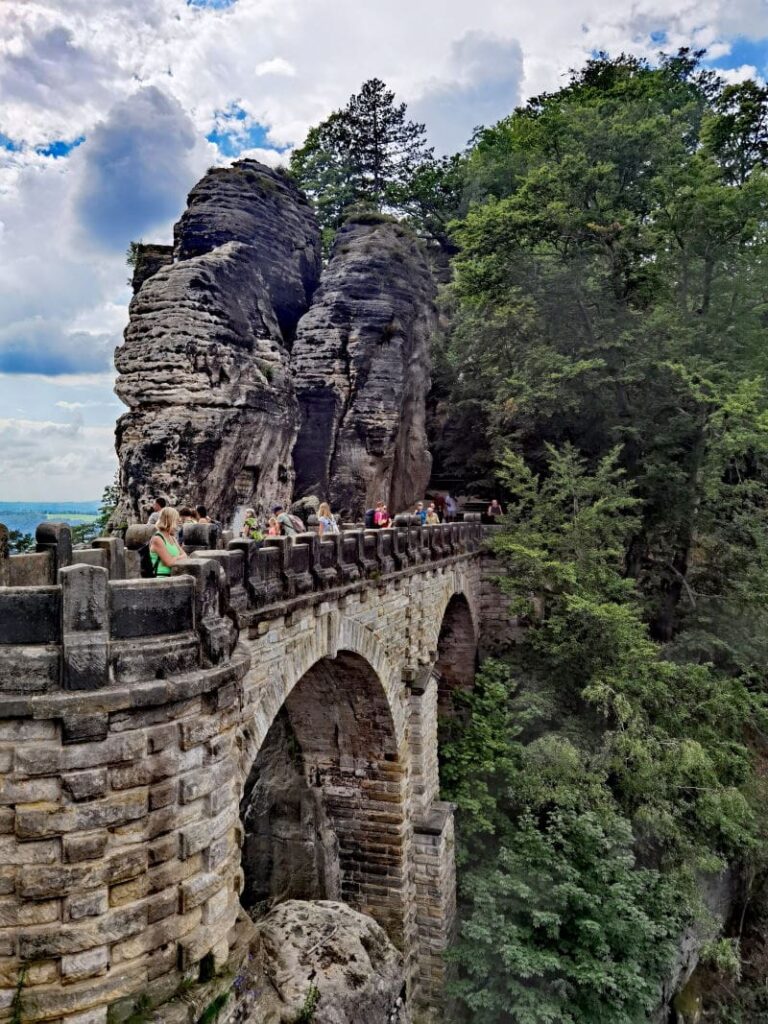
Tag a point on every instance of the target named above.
point(605, 365)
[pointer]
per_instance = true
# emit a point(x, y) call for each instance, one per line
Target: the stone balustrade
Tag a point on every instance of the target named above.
point(70, 620)
point(81, 619)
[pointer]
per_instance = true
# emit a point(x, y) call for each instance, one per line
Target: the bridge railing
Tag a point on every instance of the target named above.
point(282, 568)
point(69, 619)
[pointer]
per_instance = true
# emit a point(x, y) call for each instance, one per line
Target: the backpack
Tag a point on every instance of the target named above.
point(370, 522)
point(297, 523)
point(329, 524)
point(147, 568)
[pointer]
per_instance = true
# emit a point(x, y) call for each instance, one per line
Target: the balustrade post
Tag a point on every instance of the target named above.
point(85, 627)
point(56, 539)
point(216, 631)
point(114, 548)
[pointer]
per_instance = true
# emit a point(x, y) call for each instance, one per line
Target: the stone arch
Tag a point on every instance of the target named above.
point(456, 659)
point(324, 800)
point(333, 633)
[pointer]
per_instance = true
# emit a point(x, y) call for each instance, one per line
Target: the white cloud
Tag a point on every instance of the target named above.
point(48, 460)
point(270, 157)
point(276, 66)
point(487, 74)
point(735, 75)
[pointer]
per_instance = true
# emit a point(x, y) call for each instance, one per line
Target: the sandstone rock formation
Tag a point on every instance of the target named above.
point(148, 259)
point(204, 368)
point(262, 208)
point(289, 847)
point(361, 364)
point(345, 956)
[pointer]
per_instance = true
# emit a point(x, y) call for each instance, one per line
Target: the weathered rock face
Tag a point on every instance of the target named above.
point(361, 364)
point(204, 368)
point(254, 204)
point(149, 259)
point(345, 956)
point(289, 849)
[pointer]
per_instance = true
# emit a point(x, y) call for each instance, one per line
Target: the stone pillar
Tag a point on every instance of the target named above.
point(55, 538)
point(422, 738)
point(216, 631)
point(433, 851)
point(5, 569)
point(85, 627)
point(114, 549)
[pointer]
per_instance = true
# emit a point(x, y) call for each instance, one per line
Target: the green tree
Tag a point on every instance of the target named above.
point(610, 289)
point(99, 527)
point(363, 155)
point(595, 778)
point(19, 542)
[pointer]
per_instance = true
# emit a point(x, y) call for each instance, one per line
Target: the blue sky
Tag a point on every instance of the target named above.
point(110, 111)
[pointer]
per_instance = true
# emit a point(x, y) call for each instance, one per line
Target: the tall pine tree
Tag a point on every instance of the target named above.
point(363, 155)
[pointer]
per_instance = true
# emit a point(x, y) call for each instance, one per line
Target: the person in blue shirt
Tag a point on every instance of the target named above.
point(421, 512)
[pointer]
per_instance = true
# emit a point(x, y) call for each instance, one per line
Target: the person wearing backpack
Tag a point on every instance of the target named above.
point(164, 549)
point(290, 525)
point(326, 521)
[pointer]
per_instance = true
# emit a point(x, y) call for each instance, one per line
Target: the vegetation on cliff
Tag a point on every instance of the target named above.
point(607, 342)
point(369, 156)
point(605, 362)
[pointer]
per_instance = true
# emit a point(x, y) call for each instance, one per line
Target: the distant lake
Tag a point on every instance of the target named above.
point(25, 516)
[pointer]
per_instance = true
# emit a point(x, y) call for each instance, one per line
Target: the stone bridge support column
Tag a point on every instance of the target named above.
point(422, 738)
point(433, 846)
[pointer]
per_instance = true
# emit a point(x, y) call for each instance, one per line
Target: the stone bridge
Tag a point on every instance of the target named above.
point(177, 752)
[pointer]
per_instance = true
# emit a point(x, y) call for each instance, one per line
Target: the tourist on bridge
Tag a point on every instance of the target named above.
point(202, 514)
point(288, 528)
point(273, 527)
point(164, 549)
point(433, 519)
point(421, 512)
point(157, 507)
point(326, 521)
point(495, 509)
point(381, 518)
point(451, 508)
point(187, 515)
point(251, 528)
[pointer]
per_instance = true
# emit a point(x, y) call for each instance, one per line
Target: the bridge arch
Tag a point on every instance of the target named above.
point(456, 651)
point(324, 794)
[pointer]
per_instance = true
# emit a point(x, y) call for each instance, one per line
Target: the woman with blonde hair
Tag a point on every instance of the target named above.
point(326, 521)
point(164, 549)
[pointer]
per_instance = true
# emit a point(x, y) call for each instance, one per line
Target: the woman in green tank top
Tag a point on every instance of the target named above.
point(164, 549)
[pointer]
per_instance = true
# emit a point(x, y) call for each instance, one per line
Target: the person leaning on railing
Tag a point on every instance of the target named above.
point(164, 549)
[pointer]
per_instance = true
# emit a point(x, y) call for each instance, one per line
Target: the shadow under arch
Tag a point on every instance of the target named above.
point(457, 653)
point(324, 807)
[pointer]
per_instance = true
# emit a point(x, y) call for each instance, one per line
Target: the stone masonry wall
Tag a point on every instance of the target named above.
point(130, 723)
